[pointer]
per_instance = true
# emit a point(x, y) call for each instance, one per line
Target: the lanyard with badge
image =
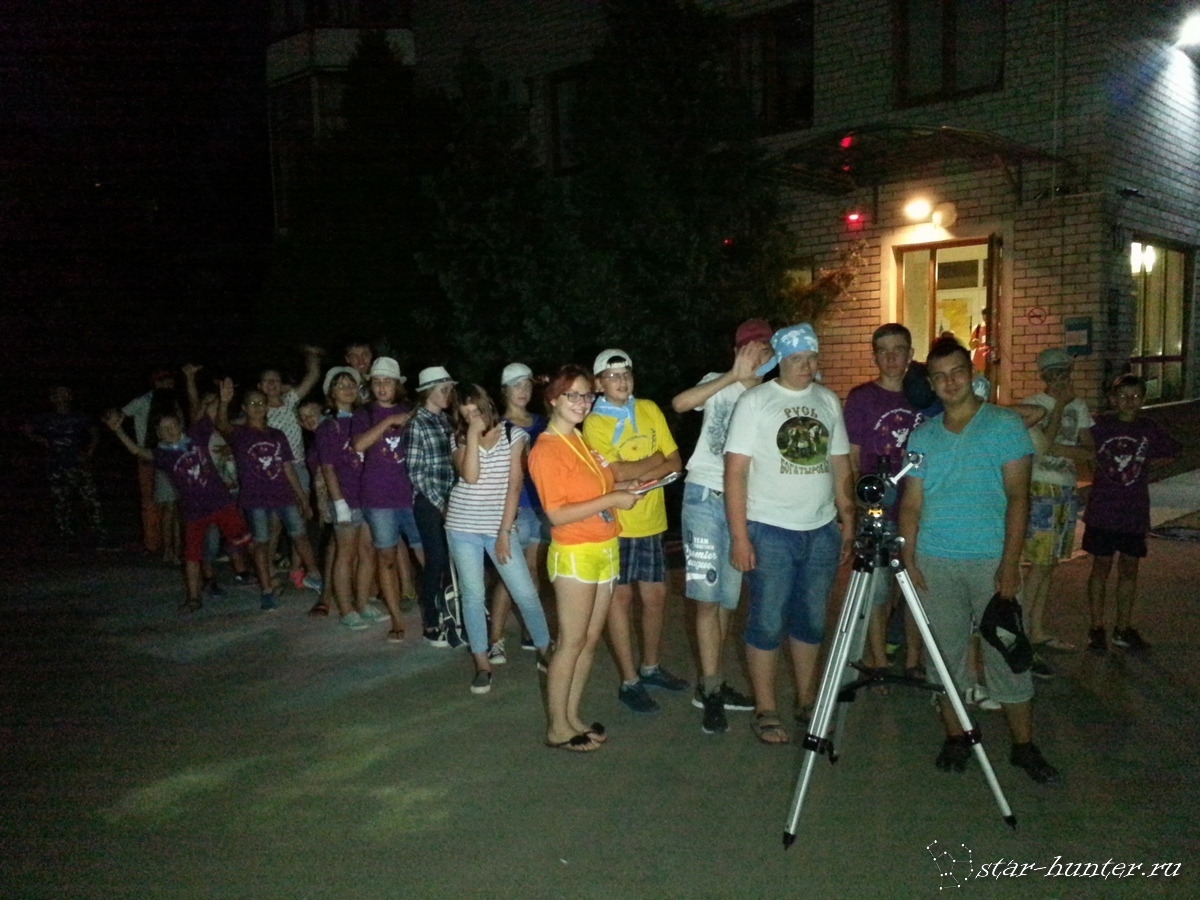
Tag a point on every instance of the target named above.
point(604, 514)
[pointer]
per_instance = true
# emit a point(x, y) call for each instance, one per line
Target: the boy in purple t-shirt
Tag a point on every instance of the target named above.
point(1118, 511)
point(879, 419)
point(269, 485)
point(204, 498)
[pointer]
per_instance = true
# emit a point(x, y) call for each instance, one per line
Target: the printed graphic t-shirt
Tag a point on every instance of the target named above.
point(707, 465)
point(1120, 497)
point(261, 456)
point(650, 515)
point(190, 468)
point(789, 436)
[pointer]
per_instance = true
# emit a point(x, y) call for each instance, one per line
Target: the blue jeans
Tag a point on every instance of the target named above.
point(708, 577)
point(389, 525)
point(468, 549)
point(789, 584)
point(259, 519)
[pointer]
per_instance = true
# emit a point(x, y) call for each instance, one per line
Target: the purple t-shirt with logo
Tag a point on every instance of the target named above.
point(190, 468)
point(385, 482)
point(879, 422)
point(261, 455)
point(1120, 495)
point(333, 449)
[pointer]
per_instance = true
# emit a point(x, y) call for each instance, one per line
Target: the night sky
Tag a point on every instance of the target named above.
point(135, 211)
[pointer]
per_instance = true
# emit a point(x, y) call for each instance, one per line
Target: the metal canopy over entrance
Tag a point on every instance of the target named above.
point(867, 156)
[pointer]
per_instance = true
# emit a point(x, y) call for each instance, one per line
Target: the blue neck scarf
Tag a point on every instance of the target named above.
point(184, 444)
point(622, 414)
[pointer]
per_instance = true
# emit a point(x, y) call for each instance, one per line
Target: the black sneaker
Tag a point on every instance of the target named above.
point(732, 700)
point(1029, 758)
point(1129, 639)
point(714, 721)
point(435, 637)
point(636, 697)
point(954, 754)
point(527, 643)
point(661, 678)
point(1040, 668)
point(1096, 640)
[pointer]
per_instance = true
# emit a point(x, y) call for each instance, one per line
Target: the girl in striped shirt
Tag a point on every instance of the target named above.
point(481, 517)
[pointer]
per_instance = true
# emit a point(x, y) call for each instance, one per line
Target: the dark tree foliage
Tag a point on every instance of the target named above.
point(439, 223)
point(347, 265)
point(676, 191)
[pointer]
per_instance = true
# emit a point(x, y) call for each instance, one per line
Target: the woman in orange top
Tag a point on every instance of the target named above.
point(578, 496)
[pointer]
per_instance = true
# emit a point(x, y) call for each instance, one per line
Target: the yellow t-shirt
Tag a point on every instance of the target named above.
point(650, 515)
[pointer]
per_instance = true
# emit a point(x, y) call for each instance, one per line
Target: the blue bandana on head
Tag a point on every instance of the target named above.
point(789, 340)
point(622, 413)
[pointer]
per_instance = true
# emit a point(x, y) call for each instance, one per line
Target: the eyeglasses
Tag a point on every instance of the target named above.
point(256, 402)
point(575, 397)
point(615, 376)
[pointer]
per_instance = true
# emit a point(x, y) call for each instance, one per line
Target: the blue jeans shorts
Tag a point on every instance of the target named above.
point(387, 525)
point(708, 576)
point(790, 582)
point(259, 519)
point(532, 527)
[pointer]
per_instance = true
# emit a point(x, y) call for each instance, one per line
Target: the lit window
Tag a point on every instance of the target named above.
point(1160, 303)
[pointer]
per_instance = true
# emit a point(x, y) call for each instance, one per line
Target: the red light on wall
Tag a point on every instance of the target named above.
point(855, 218)
point(846, 142)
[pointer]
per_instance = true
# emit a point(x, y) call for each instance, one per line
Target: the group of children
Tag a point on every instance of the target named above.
point(406, 491)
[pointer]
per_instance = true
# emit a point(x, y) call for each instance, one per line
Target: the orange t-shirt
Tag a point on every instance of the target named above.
point(564, 471)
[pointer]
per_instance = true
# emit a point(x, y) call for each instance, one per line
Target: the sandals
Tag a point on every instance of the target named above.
point(580, 743)
point(319, 609)
point(597, 733)
point(395, 636)
point(768, 728)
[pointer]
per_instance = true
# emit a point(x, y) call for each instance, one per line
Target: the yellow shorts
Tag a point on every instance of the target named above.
point(597, 563)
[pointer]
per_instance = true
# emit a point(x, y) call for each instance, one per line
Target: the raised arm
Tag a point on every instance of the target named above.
point(695, 397)
point(193, 394)
point(312, 370)
point(113, 419)
point(224, 397)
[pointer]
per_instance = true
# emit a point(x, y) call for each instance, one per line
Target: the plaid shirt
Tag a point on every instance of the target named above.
point(428, 456)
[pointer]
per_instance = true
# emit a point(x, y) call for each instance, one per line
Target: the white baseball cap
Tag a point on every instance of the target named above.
point(611, 358)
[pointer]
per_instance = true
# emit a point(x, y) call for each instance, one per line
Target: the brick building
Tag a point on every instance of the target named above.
point(1055, 143)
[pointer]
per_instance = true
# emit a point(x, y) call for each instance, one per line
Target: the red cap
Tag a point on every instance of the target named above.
point(752, 330)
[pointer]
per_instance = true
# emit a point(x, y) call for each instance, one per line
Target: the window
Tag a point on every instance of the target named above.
point(948, 48)
point(773, 62)
point(1160, 302)
point(562, 88)
point(944, 289)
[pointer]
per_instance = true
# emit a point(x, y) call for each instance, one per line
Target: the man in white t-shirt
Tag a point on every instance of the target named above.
point(787, 487)
point(1061, 439)
point(709, 577)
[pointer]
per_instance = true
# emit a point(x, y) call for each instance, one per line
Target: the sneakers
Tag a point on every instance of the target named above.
point(732, 700)
point(436, 638)
point(527, 643)
point(661, 678)
point(1040, 668)
point(637, 698)
point(1029, 758)
point(954, 755)
point(372, 613)
point(1096, 640)
point(354, 621)
point(296, 577)
point(977, 695)
point(482, 683)
point(495, 653)
point(313, 583)
point(1129, 639)
point(714, 721)
point(267, 602)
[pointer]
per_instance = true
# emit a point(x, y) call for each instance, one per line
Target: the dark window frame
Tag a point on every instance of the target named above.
point(1144, 365)
point(775, 108)
point(948, 90)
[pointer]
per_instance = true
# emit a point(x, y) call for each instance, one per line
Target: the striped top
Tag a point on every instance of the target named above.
point(478, 508)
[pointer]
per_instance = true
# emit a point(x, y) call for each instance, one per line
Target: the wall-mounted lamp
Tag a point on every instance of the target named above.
point(1141, 258)
point(918, 210)
point(1189, 34)
point(945, 215)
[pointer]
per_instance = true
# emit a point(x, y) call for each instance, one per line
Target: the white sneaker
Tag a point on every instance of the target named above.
point(495, 653)
point(372, 613)
point(977, 695)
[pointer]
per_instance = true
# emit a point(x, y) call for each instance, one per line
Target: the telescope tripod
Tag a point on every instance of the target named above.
point(876, 556)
